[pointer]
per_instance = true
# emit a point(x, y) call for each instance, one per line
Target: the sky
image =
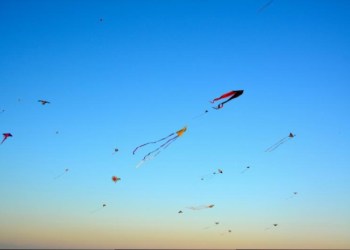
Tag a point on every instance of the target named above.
point(119, 74)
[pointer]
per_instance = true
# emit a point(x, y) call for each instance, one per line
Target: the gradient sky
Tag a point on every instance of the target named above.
point(148, 69)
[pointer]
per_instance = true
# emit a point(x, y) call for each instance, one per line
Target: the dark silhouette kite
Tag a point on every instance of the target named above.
point(230, 95)
point(43, 102)
point(280, 142)
point(6, 135)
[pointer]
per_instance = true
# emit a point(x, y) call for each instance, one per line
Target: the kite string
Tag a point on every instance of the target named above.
point(274, 146)
point(200, 115)
point(58, 176)
point(96, 210)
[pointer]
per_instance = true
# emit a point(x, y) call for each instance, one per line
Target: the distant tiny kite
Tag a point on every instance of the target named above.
point(280, 142)
point(43, 102)
point(226, 232)
point(198, 207)
point(247, 168)
point(115, 150)
point(98, 209)
point(201, 207)
point(59, 176)
point(209, 176)
point(293, 195)
point(115, 179)
point(275, 225)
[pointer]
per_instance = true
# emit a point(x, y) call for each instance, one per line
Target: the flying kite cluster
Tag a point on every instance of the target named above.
point(155, 146)
point(165, 142)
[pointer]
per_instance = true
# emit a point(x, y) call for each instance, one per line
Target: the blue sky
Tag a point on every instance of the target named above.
point(148, 69)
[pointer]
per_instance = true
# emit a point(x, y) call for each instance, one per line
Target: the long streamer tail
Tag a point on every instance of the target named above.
point(152, 142)
point(165, 145)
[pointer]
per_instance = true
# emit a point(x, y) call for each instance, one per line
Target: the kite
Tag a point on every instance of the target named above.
point(275, 225)
point(115, 179)
point(115, 150)
point(98, 209)
point(58, 176)
point(247, 168)
point(293, 195)
point(43, 102)
point(6, 135)
point(219, 171)
point(171, 138)
point(280, 142)
point(232, 94)
point(226, 232)
point(201, 207)
point(198, 208)
point(209, 176)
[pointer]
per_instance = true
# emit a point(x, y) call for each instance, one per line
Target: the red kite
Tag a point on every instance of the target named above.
point(232, 94)
point(115, 179)
point(6, 135)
